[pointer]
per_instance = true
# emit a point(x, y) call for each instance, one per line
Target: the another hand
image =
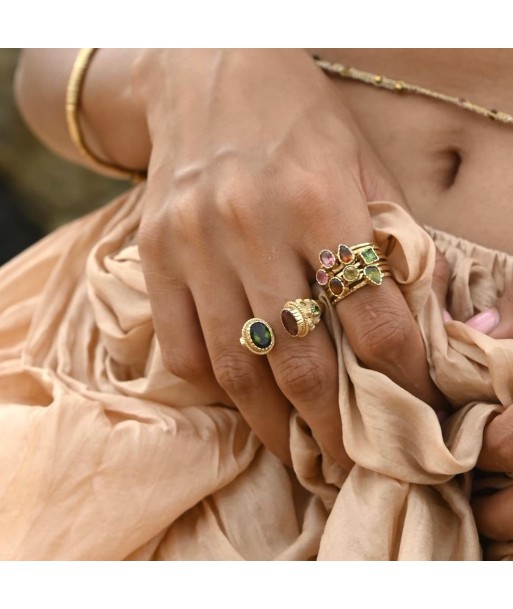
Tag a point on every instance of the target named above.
point(494, 513)
point(255, 167)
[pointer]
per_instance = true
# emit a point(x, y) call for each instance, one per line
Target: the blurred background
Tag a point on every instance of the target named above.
point(38, 190)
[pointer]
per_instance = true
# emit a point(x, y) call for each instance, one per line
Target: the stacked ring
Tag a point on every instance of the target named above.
point(350, 269)
point(257, 336)
point(299, 317)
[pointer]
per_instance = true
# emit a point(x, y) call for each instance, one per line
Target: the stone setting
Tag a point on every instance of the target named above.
point(289, 322)
point(373, 274)
point(350, 273)
point(257, 336)
point(322, 277)
point(327, 258)
point(345, 255)
point(260, 335)
point(336, 286)
point(368, 255)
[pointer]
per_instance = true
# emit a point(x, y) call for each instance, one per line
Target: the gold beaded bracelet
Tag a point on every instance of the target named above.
point(73, 94)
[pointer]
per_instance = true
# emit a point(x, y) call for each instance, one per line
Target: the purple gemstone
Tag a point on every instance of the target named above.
point(327, 259)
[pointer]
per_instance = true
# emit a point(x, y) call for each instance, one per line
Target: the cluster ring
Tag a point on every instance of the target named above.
point(351, 268)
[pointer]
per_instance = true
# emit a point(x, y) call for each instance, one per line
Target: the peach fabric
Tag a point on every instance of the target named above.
point(105, 455)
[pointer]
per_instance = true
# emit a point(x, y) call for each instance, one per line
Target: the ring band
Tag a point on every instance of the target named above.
point(350, 269)
point(257, 336)
point(299, 317)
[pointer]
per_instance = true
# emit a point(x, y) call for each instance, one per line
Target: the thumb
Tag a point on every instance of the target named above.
point(497, 321)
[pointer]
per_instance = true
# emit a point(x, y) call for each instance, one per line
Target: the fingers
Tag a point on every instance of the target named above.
point(497, 450)
point(244, 376)
point(494, 515)
point(378, 324)
point(305, 369)
point(497, 321)
point(178, 330)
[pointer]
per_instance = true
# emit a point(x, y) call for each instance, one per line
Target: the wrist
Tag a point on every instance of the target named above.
point(113, 121)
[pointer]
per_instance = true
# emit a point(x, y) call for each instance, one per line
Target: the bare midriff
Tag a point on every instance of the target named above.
point(455, 168)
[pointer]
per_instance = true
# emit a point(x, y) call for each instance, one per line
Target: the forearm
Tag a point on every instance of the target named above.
point(112, 119)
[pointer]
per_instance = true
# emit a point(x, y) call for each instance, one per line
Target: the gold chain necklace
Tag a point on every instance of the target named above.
point(399, 86)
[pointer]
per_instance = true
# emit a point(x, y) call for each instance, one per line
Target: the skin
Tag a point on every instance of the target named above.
point(248, 190)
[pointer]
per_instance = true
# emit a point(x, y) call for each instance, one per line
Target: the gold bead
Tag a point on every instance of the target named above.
point(378, 79)
point(399, 86)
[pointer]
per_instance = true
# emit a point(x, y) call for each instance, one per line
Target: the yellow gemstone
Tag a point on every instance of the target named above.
point(350, 273)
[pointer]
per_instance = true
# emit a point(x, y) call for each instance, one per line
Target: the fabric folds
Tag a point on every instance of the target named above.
point(105, 455)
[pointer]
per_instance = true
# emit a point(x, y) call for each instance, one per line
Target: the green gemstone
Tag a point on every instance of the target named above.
point(373, 274)
point(314, 309)
point(260, 335)
point(368, 255)
point(350, 273)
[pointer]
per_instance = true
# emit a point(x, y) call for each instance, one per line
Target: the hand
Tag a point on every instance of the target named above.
point(255, 168)
point(494, 513)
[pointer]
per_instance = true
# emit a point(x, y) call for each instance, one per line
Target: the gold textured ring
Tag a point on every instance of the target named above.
point(351, 268)
point(257, 336)
point(299, 317)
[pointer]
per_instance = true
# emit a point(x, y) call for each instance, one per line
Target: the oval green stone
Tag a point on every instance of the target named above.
point(260, 335)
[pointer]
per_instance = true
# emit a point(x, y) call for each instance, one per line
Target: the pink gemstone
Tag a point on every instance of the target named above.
point(327, 259)
point(321, 277)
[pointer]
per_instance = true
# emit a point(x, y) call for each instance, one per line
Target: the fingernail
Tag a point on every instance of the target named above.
point(446, 315)
point(484, 322)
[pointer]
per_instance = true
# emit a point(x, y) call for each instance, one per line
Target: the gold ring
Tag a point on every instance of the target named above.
point(257, 336)
point(299, 317)
point(350, 269)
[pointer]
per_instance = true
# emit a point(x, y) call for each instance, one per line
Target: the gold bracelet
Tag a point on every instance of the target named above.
point(73, 93)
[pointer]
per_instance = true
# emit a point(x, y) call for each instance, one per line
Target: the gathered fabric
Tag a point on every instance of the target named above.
point(105, 455)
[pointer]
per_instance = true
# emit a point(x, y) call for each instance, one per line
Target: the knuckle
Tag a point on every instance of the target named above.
point(234, 373)
point(385, 330)
point(186, 367)
point(302, 377)
point(237, 200)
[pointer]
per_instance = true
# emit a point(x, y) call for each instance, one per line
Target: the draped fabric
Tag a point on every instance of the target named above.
point(105, 455)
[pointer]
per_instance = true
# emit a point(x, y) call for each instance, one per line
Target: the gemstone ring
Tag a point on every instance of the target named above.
point(257, 336)
point(299, 317)
point(350, 269)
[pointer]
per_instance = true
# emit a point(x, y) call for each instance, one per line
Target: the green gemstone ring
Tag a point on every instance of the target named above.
point(257, 336)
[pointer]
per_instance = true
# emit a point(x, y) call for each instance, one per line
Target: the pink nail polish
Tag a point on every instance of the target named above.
point(485, 322)
point(446, 316)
